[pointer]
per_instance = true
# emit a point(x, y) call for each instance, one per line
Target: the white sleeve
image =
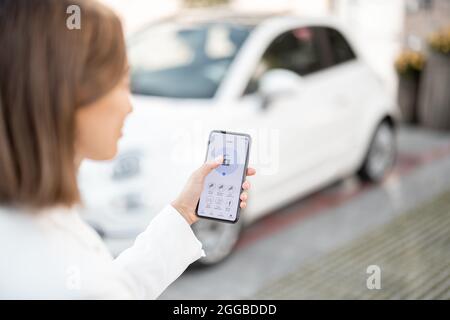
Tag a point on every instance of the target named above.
point(159, 255)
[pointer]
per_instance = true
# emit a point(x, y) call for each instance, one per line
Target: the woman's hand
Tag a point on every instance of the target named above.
point(187, 201)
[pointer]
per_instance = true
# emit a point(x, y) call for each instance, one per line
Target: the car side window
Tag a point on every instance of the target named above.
point(340, 48)
point(297, 50)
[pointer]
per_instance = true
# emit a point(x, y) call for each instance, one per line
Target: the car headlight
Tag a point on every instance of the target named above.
point(126, 166)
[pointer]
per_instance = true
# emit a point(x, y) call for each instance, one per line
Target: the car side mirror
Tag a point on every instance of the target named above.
point(277, 83)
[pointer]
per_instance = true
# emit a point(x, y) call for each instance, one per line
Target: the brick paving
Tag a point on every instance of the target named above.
point(412, 251)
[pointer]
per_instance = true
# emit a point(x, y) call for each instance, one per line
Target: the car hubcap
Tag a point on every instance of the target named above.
point(218, 239)
point(382, 152)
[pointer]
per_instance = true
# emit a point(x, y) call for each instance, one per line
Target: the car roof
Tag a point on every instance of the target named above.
point(250, 20)
point(216, 15)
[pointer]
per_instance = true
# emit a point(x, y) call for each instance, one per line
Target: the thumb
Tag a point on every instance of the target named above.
point(209, 166)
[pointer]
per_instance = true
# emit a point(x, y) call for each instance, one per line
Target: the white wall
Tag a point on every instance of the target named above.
point(136, 13)
point(377, 26)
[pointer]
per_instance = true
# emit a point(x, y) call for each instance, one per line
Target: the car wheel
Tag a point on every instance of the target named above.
point(218, 239)
point(381, 155)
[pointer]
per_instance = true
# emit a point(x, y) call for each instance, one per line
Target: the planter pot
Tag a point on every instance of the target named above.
point(434, 96)
point(407, 95)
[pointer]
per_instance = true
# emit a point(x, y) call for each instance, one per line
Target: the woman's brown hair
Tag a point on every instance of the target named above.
point(47, 71)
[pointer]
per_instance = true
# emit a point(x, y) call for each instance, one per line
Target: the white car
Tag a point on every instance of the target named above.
point(316, 112)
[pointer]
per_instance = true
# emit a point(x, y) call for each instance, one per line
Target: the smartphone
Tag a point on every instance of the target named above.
point(220, 198)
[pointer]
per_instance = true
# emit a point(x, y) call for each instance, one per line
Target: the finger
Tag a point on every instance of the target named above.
point(209, 166)
point(244, 196)
point(251, 171)
point(246, 185)
point(243, 204)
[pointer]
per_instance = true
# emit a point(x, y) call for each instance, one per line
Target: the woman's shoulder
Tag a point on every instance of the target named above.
point(59, 229)
point(47, 251)
point(31, 258)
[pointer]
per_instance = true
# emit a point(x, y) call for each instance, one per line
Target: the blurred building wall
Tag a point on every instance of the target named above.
point(300, 7)
point(137, 13)
point(378, 27)
point(422, 17)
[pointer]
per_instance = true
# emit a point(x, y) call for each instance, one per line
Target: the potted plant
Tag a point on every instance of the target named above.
point(434, 97)
point(409, 66)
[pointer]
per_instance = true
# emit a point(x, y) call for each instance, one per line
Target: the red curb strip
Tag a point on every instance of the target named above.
point(318, 202)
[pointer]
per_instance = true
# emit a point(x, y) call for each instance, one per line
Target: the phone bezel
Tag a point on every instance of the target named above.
point(242, 179)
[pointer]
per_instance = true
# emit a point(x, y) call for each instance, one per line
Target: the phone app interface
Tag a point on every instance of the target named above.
point(220, 195)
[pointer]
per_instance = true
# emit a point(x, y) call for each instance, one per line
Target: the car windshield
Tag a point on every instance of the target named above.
point(183, 60)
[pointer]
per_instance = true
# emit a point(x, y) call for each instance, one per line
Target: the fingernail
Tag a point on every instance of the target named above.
point(219, 159)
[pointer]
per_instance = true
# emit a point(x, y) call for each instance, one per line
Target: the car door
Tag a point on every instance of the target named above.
point(346, 86)
point(305, 119)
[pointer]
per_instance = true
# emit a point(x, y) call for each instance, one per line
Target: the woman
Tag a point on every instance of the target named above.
point(64, 96)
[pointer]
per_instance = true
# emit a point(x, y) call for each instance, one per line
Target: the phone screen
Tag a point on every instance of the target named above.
point(223, 186)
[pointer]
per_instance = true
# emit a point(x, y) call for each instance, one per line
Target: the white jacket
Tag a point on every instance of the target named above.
point(55, 254)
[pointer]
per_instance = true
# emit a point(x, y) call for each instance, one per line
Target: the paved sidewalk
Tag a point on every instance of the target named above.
point(312, 227)
point(412, 251)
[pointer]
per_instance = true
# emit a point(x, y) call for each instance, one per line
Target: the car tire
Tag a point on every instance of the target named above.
point(218, 238)
point(381, 155)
